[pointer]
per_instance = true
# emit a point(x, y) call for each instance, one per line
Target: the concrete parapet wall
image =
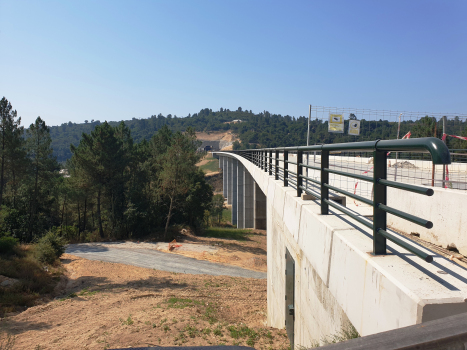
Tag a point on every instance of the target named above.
point(446, 209)
point(338, 282)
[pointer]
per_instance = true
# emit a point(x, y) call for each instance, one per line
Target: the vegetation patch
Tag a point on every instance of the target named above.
point(179, 303)
point(128, 322)
point(50, 247)
point(35, 279)
point(69, 296)
point(87, 292)
point(211, 165)
point(227, 215)
point(229, 233)
point(8, 245)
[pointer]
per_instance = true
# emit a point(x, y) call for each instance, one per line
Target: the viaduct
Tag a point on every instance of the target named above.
point(322, 275)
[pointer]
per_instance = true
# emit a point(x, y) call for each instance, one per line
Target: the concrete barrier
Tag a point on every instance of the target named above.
point(445, 209)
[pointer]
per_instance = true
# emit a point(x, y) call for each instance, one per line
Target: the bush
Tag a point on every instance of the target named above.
point(7, 245)
point(50, 247)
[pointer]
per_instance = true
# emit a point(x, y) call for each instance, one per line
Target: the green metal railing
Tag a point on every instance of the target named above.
point(268, 160)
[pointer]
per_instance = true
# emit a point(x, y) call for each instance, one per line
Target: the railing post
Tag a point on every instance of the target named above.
point(299, 172)
point(277, 165)
point(380, 192)
point(324, 180)
point(270, 162)
point(265, 159)
point(286, 167)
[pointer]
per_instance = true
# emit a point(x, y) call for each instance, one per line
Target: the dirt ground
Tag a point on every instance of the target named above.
point(116, 306)
point(249, 254)
point(104, 305)
point(216, 136)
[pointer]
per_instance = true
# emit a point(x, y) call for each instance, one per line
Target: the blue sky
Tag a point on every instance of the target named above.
point(113, 60)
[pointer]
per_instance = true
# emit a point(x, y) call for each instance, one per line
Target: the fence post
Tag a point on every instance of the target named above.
point(270, 162)
point(299, 172)
point(324, 180)
point(277, 165)
point(380, 191)
point(286, 167)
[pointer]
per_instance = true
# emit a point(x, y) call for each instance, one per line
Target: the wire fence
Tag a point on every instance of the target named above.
point(384, 124)
point(413, 168)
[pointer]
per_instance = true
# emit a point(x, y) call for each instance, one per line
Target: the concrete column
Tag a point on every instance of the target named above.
point(234, 191)
point(248, 199)
point(224, 176)
point(240, 196)
point(229, 180)
point(260, 208)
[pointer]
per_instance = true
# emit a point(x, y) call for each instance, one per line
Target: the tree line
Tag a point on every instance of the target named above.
point(111, 186)
point(261, 129)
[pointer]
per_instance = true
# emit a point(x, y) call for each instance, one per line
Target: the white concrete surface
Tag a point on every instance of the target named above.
point(338, 282)
point(445, 209)
point(240, 196)
point(234, 192)
point(229, 180)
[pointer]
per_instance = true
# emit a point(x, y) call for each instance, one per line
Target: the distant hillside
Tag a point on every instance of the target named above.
point(253, 130)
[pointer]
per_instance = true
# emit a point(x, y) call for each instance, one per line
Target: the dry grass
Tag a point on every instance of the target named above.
point(35, 279)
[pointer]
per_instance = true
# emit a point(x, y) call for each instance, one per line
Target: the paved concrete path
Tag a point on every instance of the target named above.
point(153, 259)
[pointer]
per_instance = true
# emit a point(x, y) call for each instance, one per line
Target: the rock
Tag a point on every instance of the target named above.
point(452, 247)
point(7, 282)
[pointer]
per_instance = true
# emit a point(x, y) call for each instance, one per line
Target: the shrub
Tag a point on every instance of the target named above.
point(7, 245)
point(50, 247)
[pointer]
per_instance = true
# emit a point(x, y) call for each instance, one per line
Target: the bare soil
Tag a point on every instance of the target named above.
point(249, 254)
point(216, 136)
point(106, 305)
point(117, 306)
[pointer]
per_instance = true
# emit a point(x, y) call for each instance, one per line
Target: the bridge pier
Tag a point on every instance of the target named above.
point(260, 208)
point(229, 180)
point(240, 196)
point(234, 191)
point(224, 172)
point(248, 199)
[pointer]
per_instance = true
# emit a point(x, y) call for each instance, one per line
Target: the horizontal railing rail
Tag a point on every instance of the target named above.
point(269, 160)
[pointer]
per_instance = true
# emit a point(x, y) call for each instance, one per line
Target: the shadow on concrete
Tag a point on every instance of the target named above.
point(405, 256)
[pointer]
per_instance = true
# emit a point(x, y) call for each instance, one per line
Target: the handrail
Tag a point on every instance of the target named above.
point(268, 160)
point(438, 150)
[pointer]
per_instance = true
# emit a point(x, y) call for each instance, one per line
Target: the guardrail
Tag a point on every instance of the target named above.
point(444, 333)
point(268, 159)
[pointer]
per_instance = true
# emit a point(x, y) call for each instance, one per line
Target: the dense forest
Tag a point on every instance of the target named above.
point(258, 130)
point(113, 187)
point(127, 179)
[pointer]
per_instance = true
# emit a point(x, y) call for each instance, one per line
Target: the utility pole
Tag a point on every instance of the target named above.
point(444, 166)
point(397, 153)
point(308, 143)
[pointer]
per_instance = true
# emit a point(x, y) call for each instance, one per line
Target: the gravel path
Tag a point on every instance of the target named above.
point(154, 259)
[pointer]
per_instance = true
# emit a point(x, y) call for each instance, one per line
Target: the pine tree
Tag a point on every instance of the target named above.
point(102, 158)
point(11, 133)
point(43, 171)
